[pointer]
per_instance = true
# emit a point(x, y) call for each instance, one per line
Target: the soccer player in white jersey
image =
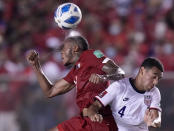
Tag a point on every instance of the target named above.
point(135, 102)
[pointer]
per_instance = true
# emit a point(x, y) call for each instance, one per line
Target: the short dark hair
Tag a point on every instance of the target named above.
point(151, 62)
point(80, 41)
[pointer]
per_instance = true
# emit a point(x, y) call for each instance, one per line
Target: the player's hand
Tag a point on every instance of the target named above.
point(96, 118)
point(150, 118)
point(32, 57)
point(95, 78)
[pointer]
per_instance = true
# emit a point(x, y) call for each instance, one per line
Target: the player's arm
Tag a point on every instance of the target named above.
point(153, 117)
point(92, 112)
point(113, 72)
point(153, 113)
point(50, 90)
point(103, 99)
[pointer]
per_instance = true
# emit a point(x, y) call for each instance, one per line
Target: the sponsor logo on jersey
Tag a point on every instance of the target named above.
point(75, 80)
point(125, 99)
point(147, 100)
point(102, 94)
point(77, 66)
point(98, 54)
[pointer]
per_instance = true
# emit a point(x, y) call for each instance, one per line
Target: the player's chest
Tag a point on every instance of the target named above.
point(81, 70)
point(132, 103)
point(132, 98)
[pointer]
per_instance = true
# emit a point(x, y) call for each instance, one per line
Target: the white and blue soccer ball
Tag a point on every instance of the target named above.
point(68, 15)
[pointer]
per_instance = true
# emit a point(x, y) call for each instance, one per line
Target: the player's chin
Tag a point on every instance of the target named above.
point(64, 61)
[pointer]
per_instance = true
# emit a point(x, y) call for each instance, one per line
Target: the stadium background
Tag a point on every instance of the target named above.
point(125, 30)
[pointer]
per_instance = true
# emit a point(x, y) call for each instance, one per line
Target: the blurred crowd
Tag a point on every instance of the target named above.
point(125, 30)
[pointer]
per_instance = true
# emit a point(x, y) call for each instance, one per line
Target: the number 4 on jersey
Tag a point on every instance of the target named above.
point(121, 111)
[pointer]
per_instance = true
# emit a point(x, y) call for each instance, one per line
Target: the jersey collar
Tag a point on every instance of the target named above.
point(134, 87)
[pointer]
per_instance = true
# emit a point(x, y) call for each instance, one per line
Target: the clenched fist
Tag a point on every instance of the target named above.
point(33, 58)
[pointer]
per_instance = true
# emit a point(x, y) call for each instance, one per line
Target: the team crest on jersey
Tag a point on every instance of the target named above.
point(147, 100)
point(98, 54)
point(102, 94)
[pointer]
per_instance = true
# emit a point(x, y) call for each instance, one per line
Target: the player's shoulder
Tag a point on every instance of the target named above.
point(124, 81)
point(89, 51)
point(117, 87)
point(155, 90)
point(92, 52)
point(120, 83)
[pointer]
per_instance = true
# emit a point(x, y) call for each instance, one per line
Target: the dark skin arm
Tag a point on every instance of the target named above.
point(149, 117)
point(62, 86)
point(49, 89)
point(113, 72)
point(92, 112)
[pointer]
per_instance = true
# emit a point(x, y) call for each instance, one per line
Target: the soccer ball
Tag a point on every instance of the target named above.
point(68, 15)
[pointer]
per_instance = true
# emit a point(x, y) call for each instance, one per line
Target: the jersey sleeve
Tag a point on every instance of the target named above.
point(107, 96)
point(70, 77)
point(156, 99)
point(96, 58)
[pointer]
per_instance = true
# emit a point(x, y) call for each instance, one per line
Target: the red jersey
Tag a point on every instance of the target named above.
point(90, 61)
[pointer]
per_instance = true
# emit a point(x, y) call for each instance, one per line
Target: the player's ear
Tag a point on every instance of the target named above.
point(142, 70)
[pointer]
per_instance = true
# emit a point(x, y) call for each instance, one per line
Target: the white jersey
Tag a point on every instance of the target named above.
point(128, 105)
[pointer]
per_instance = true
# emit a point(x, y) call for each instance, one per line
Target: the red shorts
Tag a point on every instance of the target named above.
point(85, 124)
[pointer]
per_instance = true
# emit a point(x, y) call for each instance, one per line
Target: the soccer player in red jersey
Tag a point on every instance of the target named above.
point(90, 74)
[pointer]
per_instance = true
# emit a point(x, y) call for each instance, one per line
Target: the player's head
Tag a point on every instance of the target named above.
point(151, 71)
point(72, 48)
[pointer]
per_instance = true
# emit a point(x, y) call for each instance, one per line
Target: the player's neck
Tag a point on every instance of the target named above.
point(138, 84)
point(76, 57)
